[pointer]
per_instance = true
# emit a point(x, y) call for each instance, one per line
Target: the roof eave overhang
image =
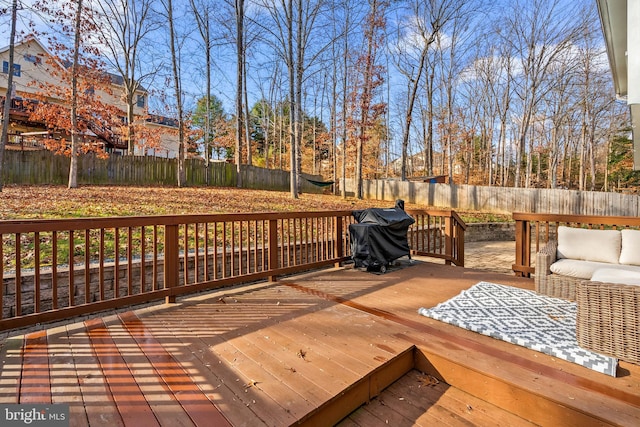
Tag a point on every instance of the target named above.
point(614, 16)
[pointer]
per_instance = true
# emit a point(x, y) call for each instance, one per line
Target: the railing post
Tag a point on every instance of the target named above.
point(523, 248)
point(339, 249)
point(171, 260)
point(448, 240)
point(459, 244)
point(273, 248)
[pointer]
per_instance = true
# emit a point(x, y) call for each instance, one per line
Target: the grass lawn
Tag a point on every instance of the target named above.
point(31, 202)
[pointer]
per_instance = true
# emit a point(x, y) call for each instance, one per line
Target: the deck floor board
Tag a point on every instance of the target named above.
point(274, 353)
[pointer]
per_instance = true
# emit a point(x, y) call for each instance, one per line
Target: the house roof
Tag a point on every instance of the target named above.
point(623, 50)
point(115, 79)
point(30, 38)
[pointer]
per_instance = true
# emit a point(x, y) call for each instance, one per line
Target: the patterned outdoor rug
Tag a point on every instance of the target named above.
point(521, 317)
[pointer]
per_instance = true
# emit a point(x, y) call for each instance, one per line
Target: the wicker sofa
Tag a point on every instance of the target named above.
point(608, 320)
point(600, 270)
point(581, 254)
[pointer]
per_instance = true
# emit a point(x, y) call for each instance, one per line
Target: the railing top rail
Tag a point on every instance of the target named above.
point(31, 225)
point(582, 219)
point(440, 212)
point(41, 225)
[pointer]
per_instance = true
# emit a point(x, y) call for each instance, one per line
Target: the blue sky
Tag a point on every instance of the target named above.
point(224, 67)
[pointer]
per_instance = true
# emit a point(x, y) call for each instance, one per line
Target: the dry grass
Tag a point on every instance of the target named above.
point(30, 202)
point(56, 201)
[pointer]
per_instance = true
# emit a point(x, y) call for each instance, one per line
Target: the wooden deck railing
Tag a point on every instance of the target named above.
point(535, 230)
point(438, 234)
point(56, 269)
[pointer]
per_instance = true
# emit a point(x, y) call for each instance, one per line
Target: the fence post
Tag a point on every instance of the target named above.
point(273, 248)
point(523, 248)
point(171, 260)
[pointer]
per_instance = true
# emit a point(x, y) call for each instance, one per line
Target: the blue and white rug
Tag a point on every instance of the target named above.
point(521, 317)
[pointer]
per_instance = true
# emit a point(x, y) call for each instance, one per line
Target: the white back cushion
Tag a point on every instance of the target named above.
point(589, 245)
point(630, 253)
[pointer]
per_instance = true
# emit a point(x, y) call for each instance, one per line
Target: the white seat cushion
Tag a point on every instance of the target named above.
point(625, 276)
point(589, 245)
point(577, 268)
point(630, 253)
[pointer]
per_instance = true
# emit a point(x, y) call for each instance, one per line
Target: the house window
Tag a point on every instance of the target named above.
point(140, 101)
point(31, 58)
point(5, 68)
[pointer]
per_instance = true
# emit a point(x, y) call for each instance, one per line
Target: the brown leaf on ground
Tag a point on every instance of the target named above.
point(56, 201)
point(428, 380)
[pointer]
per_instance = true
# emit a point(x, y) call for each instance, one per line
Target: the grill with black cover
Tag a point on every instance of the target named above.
point(380, 236)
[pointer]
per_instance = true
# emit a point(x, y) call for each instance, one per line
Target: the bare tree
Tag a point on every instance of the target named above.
point(202, 14)
point(559, 105)
point(240, 81)
point(73, 168)
point(177, 86)
point(125, 29)
point(451, 53)
point(594, 107)
point(537, 33)
point(369, 79)
point(427, 19)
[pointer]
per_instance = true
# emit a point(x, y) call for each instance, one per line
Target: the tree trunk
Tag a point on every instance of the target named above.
point(131, 147)
point(413, 82)
point(8, 96)
point(345, 82)
point(239, 8)
point(182, 178)
point(73, 167)
point(207, 120)
point(247, 123)
point(293, 131)
point(367, 94)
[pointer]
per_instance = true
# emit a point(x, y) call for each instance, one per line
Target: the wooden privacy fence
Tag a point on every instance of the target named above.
point(501, 199)
point(45, 167)
point(534, 230)
point(56, 269)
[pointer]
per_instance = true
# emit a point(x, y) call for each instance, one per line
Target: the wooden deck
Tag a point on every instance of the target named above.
point(310, 349)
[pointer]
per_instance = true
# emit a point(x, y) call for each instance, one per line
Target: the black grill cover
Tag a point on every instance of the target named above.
point(380, 236)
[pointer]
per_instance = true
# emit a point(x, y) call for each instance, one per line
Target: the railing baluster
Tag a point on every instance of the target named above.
point(206, 252)
point(18, 280)
point(130, 261)
point(273, 247)
point(143, 259)
point(155, 258)
point(54, 270)
point(215, 250)
point(255, 246)
point(240, 248)
point(171, 260)
point(233, 249)
point(101, 255)
point(36, 273)
point(116, 263)
point(185, 250)
point(1, 276)
point(72, 284)
point(87, 267)
point(196, 251)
